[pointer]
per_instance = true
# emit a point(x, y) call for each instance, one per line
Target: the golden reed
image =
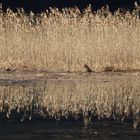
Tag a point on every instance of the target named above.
point(69, 40)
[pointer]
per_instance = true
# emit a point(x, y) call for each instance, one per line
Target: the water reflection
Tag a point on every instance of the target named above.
point(90, 99)
point(35, 130)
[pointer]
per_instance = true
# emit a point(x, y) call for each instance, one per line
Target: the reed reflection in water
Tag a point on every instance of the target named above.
point(116, 100)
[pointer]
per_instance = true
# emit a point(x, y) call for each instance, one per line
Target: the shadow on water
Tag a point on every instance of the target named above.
point(53, 106)
point(43, 130)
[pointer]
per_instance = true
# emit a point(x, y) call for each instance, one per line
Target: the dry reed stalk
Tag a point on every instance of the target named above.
point(66, 41)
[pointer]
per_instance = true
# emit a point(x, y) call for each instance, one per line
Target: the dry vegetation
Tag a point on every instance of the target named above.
point(67, 40)
point(118, 100)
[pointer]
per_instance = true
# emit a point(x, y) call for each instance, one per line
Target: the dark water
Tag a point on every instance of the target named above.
point(53, 130)
point(42, 5)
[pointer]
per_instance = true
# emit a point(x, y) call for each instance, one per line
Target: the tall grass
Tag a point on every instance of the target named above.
point(66, 41)
point(118, 100)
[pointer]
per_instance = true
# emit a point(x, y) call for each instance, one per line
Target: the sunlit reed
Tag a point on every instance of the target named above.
point(69, 40)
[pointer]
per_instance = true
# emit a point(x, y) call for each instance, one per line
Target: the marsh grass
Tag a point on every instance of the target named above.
point(117, 100)
point(68, 40)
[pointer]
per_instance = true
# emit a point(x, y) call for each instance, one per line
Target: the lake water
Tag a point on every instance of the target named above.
point(32, 106)
point(43, 130)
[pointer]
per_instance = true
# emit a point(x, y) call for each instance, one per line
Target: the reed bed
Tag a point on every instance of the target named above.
point(117, 100)
point(65, 41)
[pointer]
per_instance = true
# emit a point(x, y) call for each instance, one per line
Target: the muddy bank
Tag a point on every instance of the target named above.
point(31, 77)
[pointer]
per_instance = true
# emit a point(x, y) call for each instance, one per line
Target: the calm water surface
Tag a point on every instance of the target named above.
point(35, 130)
point(13, 85)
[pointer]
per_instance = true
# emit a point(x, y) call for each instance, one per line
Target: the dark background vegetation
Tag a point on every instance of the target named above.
point(42, 5)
